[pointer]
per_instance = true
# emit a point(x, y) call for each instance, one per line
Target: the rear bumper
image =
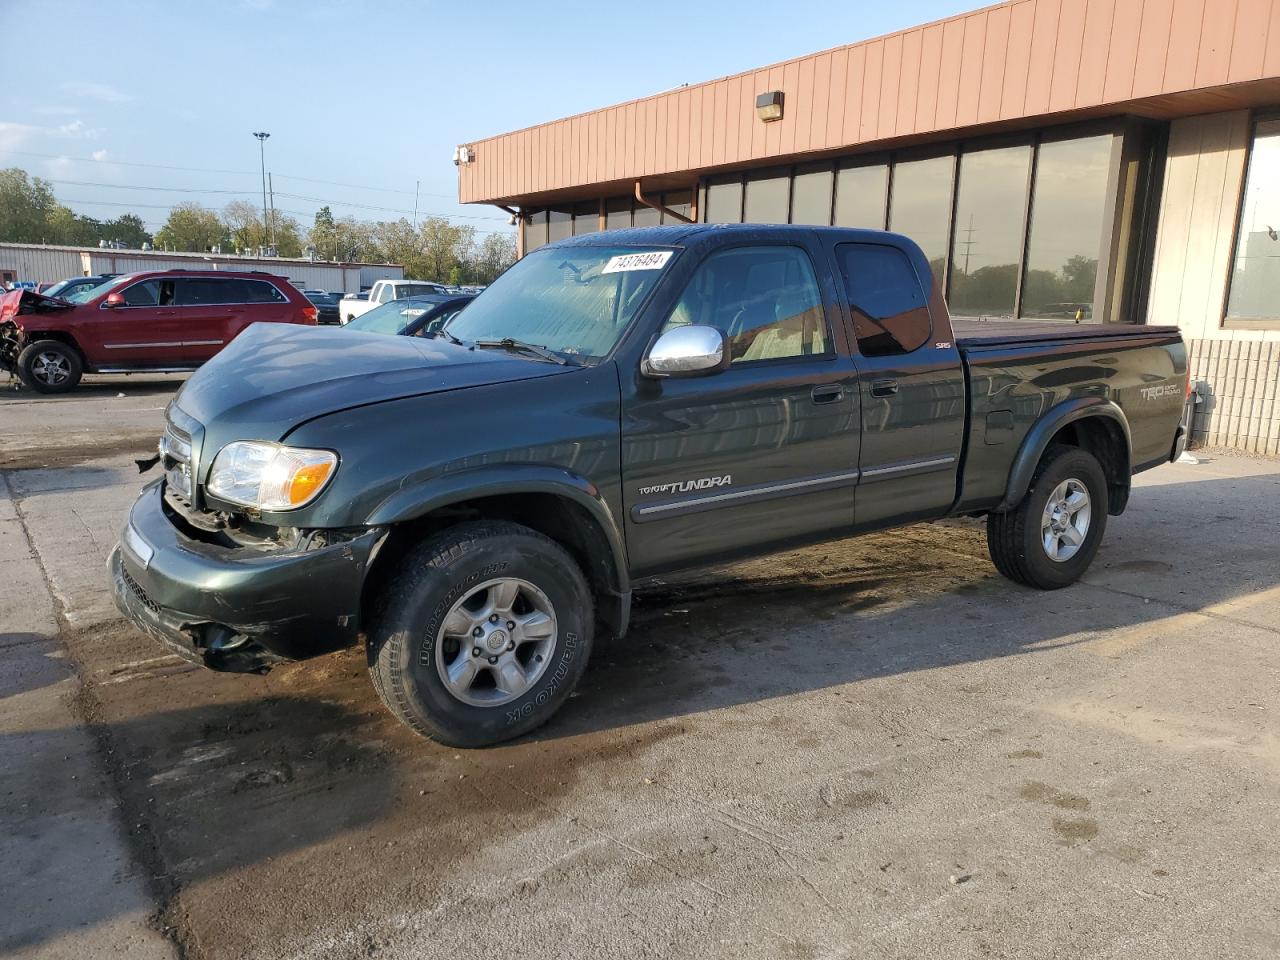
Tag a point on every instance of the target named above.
point(236, 609)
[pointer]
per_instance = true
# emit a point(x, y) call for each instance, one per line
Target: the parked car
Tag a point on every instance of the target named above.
point(384, 291)
point(618, 405)
point(326, 306)
point(76, 285)
point(165, 320)
point(413, 316)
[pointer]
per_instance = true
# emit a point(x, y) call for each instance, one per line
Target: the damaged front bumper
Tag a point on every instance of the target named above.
point(235, 608)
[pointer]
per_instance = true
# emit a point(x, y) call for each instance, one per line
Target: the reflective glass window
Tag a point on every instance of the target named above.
point(535, 231)
point(559, 225)
point(920, 206)
point(1255, 277)
point(767, 197)
point(986, 250)
point(811, 195)
point(860, 196)
point(1067, 213)
point(681, 201)
point(617, 213)
point(586, 218)
point(645, 215)
point(724, 201)
point(889, 306)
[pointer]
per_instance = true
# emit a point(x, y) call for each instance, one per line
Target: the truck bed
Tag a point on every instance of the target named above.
point(995, 333)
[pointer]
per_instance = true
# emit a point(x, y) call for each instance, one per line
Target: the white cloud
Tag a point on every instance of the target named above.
point(15, 135)
point(99, 155)
point(95, 91)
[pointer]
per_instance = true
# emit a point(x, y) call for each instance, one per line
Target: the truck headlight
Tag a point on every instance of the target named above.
point(269, 476)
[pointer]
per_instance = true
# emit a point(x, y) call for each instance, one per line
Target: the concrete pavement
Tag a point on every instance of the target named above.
point(870, 747)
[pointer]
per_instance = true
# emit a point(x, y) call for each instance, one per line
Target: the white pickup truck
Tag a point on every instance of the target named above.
point(384, 291)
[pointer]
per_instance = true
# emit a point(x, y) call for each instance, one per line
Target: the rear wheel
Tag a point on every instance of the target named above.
point(50, 366)
point(483, 634)
point(1050, 538)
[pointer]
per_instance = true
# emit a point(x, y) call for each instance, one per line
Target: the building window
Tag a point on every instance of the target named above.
point(586, 218)
point(617, 213)
point(645, 216)
point(986, 248)
point(921, 206)
point(1067, 213)
point(724, 200)
point(767, 197)
point(535, 231)
point(861, 192)
point(681, 201)
point(811, 195)
point(559, 224)
point(1255, 274)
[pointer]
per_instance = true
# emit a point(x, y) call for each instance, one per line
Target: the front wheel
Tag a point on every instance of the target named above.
point(1050, 538)
point(482, 635)
point(50, 366)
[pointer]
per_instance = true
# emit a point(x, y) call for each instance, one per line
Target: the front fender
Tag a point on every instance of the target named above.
point(415, 501)
point(1043, 430)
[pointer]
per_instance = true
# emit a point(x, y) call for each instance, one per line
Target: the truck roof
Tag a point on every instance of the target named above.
point(685, 234)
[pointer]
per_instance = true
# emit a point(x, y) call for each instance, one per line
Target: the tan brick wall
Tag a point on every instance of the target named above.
point(1240, 383)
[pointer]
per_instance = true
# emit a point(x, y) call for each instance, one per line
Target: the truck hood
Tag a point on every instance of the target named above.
point(275, 376)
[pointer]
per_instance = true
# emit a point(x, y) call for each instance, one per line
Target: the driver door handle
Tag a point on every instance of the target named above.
point(884, 388)
point(827, 393)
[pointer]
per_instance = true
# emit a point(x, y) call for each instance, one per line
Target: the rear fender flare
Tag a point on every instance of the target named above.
point(1043, 431)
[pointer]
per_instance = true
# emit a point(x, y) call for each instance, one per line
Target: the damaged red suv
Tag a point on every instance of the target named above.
point(159, 321)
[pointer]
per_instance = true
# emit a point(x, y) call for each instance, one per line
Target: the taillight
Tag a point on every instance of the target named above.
point(309, 314)
point(1190, 382)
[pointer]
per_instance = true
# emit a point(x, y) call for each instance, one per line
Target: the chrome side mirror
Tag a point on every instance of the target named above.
point(690, 351)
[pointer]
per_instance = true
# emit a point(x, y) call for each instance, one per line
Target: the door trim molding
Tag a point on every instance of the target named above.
point(640, 513)
point(908, 467)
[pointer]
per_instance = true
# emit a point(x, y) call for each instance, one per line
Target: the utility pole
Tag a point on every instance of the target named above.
point(262, 156)
point(416, 185)
point(272, 189)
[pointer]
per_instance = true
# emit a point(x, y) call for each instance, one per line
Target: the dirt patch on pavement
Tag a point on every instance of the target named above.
point(65, 455)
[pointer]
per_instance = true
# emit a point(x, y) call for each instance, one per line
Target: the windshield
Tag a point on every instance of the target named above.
point(86, 293)
point(393, 317)
point(576, 301)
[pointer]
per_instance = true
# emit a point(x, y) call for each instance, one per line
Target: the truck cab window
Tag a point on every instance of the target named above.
point(890, 311)
point(145, 294)
point(764, 299)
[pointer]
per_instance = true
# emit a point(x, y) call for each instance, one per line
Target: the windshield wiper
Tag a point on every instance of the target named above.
point(507, 343)
point(442, 333)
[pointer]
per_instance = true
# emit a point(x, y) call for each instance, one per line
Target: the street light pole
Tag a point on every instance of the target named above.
point(262, 156)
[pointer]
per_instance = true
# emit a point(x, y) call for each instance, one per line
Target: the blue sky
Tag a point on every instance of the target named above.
point(361, 99)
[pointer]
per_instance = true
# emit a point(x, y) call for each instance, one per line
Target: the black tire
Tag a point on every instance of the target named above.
point(50, 366)
point(1015, 538)
point(434, 577)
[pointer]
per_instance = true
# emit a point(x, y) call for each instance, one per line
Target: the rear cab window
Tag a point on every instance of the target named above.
point(889, 307)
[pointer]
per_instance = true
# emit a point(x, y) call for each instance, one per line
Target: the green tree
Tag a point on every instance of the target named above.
point(26, 205)
point(324, 234)
point(127, 229)
point(192, 228)
point(497, 252)
point(243, 225)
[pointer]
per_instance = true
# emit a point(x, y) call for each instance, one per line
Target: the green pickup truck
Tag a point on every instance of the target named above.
point(476, 502)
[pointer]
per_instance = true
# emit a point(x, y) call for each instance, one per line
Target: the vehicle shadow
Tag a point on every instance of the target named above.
point(98, 388)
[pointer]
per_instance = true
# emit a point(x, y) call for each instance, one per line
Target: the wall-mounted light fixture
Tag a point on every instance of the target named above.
point(769, 106)
point(463, 154)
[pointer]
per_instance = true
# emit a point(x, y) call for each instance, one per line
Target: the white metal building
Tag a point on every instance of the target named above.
point(41, 263)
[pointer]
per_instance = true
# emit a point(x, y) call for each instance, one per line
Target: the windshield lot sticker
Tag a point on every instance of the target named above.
point(654, 260)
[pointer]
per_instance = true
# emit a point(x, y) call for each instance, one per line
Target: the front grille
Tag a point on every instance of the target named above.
point(138, 593)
